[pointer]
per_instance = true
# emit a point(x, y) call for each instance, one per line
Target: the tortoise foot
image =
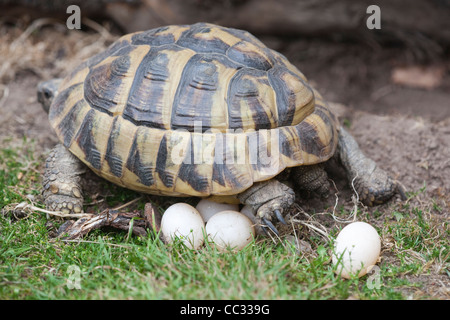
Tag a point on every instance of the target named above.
point(373, 184)
point(61, 183)
point(269, 199)
point(375, 187)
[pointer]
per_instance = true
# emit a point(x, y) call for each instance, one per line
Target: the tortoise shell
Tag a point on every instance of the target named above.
point(191, 110)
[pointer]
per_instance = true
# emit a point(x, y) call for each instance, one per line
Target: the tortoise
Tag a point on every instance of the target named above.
point(198, 110)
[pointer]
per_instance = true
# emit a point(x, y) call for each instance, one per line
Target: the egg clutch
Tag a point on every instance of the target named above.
point(226, 227)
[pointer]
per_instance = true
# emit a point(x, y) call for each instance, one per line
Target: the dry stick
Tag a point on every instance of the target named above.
point(123, 221)
point(127, 204)
point(92, 221)
point(24, 206)
point(321, 231)
point(297, 242)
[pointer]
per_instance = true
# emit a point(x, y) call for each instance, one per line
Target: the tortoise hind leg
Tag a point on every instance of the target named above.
point(312, 179)
point(61, 182)
point(373, 184)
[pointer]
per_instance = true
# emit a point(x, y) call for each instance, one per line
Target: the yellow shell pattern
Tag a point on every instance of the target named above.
point(191, 110)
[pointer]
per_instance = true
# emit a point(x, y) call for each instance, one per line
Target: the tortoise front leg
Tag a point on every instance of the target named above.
point(373, 184)
point(268, 198)
point(61, 182)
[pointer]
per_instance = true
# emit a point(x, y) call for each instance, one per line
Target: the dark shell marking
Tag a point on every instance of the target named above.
point(231, 110)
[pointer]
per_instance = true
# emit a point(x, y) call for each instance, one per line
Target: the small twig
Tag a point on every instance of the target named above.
point(269, 233)
point(93, 203)
point(128, 221)
point(323, 233)
point(337, 198)
point(311, 223)
point(26, 206)
point(355, 201)
point(297, 243)
point(108, 210)
point(355, 205)
point(127, 204)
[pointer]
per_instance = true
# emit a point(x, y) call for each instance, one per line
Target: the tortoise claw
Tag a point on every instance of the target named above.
point(269, 224)
point(401, 191)
point(279, 216)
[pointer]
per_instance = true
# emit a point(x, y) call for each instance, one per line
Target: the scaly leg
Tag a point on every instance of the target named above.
point(373, 184)
point(312, 178)
point(61, 183)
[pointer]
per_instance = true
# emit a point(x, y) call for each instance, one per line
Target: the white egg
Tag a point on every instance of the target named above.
point(356, 250)
point(183, 221)
point(208, 208)
point(230, 229)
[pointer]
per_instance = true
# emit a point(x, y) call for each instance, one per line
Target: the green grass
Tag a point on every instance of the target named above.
point(111, 265)
point(33, 267)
